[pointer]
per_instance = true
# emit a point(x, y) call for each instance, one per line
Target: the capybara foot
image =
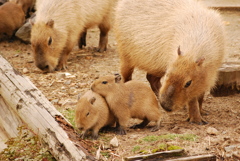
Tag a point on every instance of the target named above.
point(155, 128)
point(197, 121)
point(61, 67)
point(121, 131)
point(94, 136)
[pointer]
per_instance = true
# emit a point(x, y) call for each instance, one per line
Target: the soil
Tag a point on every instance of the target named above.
point(63, 88)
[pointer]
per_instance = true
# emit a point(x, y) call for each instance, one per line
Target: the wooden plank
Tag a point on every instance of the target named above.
point(208, 157)
point(30, 105)
point(157, 155)
point(228, 82)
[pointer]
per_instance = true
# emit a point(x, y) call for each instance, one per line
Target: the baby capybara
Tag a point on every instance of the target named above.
point(180, 39)
point(92, 113)
point(59, 24)
point(12, 17)
point(133, 99)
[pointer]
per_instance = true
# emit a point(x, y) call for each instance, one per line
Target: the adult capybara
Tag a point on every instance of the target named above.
point(12, 18)
point(92, 113)
point(180, 39)
point(133, 99)
point(59, 24)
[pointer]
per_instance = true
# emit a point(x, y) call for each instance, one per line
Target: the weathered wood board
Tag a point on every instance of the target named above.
point(228, 81)
point(21, 102)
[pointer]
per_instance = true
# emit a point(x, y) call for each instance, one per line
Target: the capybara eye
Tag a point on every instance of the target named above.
point(104, 82)
point(87, 114)
point(49, 41)
point(188, 84)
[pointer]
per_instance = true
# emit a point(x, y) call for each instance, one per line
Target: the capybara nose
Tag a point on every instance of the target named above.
point(43, 67)
point(166, 106)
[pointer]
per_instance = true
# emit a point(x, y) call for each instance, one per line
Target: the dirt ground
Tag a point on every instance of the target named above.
point(64, 87)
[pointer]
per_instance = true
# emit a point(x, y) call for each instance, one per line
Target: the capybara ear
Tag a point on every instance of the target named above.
point(117, 78)
point(179, 51)
point(92, 100)
point(50, 23)
point(200, 61)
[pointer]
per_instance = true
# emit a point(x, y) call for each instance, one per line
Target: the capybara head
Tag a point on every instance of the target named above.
point(86, 113)
point(106, 84)
point(184, 80)
point(47, 45)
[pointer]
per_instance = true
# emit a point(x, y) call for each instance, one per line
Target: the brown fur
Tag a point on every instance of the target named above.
point(92, 113)
point(152, 45)
point(12, 18)
point(27, 5)
point(133, 99)
point(59, 24)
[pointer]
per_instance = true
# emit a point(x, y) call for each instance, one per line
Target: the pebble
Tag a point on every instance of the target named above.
point(212, 131)
point(25, 70)
point(114, 142)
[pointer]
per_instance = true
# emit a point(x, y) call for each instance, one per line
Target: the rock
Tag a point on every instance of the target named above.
point(212, 131)
point(114, 142)
point(60, 75)
point(25, 70)
point(24, 32)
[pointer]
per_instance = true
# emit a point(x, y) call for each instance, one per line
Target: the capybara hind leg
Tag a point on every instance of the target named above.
point(141, 125)
point(194, 113)
point(154, 82)
point(82, 39)
point(126, 71)
point(103, 38)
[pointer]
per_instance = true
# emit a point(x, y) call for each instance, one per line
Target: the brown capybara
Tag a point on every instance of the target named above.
point(59, 24)
point(133, 99)
point(27, 5)
point(180, 39)
point(92, 113)
point(12, 18)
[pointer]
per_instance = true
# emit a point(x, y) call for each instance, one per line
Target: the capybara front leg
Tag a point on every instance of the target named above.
point(103, 38)
point(194, 112)
point(62, 64)
point(154, 82)
point(200, 101)
point(82, 39)
point(141, 125)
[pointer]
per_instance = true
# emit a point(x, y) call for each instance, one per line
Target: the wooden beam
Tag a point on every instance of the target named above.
point(228, 82)
point(32, 108)
point(208, 157)
point(158, 155)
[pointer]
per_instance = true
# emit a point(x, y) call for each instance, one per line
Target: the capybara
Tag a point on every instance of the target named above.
point(60, 23)
point(180, 39)
point(133, 99)
point(12, 18)
point(27, 5)
point(92, 113)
